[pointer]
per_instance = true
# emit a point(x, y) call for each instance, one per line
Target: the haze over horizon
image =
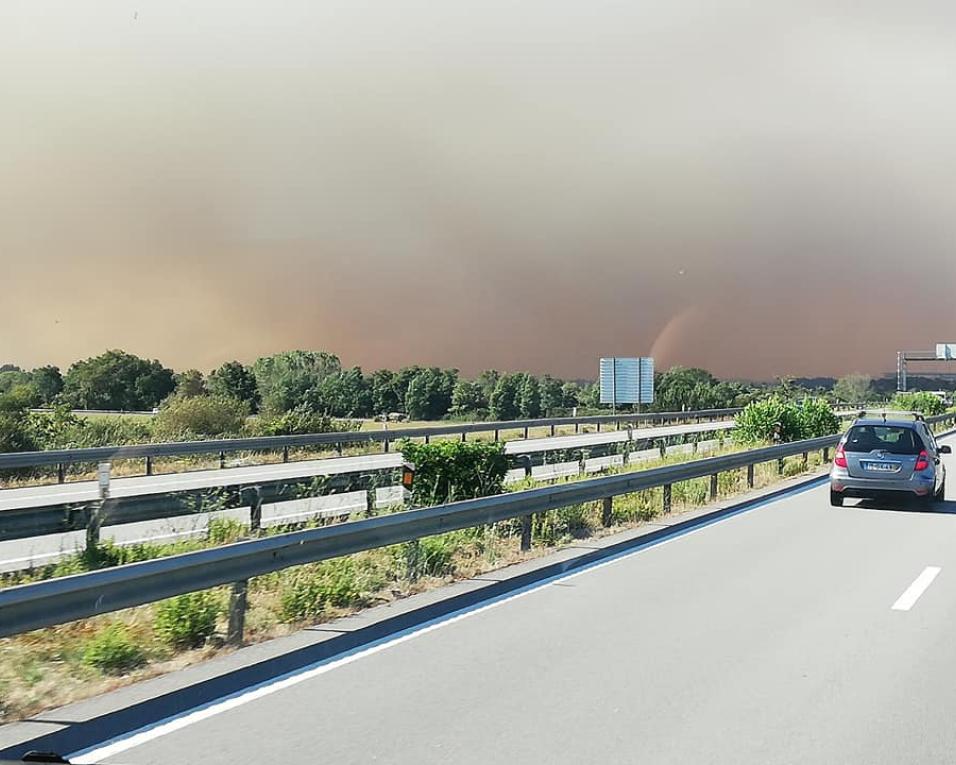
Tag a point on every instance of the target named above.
point(759, 191)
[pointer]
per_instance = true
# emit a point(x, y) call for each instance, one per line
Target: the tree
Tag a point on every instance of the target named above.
point(285, 378)
point(15, 432)
point(385, 396)
point(49, 383)
point(429, 393)
point(487, 381)
point(854, 389)
point(504, 398)
point(467, 397)
point(233, 380)
point(117, 380)
point(529, 397)
point(570, 395)
point(552, 395)
point(343, 394)
point(680, 389)
point(190, 383)
point(12, 377)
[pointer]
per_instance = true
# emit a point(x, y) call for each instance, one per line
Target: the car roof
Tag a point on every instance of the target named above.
point(879, 421)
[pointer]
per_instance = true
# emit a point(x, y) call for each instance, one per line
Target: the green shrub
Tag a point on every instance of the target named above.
point(447, 471)
point(113, 651)
point(919, 401)
point(183, 418)
point(818, 419)
point(297, 422)
point(187, 620)
point(759, 419)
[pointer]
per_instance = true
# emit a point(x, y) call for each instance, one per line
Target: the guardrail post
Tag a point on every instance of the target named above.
point(780, 466)
point(667, 498)
point(338, 448)
point(582, 463)
point(577, 427)
point(385, 445)
point(149, 466)
point(464, 437)
point(552, 429)
point(713, 487)
point(525, 431)
point(599, 427)
point(826, 454)
point(285, 454)
point(238, 599)
point(61, 473)
point(750, 476)
point(607, 508)
point(370, 503)
point(497, 435)
point(805, 459)
point(222, 460)
point(98, 512)
point(526, 532)
point(255, 510)
point(428, 438)
point(662, 445)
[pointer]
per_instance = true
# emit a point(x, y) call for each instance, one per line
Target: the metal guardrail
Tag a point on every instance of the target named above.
point(56, 601)
point(62, 457)
point(63, 513)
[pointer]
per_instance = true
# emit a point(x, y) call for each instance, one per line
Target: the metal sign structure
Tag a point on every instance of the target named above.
point(944, 352)
point(627, 380)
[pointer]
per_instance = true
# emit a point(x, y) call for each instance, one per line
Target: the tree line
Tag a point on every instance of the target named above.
point(316, 381)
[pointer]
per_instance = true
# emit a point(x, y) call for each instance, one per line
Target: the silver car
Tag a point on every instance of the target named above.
point(892, 454)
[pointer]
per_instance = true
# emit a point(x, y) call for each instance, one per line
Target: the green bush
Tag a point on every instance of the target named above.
point(818, 419)
point(447, 471)
point(759, 419)
point(113, 651)
point(61, 429)
point(187, 620)
point(184, 418)
point(298, 422)
point(920, 401)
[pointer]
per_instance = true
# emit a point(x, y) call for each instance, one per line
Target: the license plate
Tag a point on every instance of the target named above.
point(882, 467)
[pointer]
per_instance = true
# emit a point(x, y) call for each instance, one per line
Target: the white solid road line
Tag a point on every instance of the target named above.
point(908, 599)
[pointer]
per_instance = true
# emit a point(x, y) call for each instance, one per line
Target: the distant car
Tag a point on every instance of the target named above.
point(886, 455)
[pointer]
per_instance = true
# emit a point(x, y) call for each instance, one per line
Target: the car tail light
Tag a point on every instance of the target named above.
point(839, 459)
point(922, 462)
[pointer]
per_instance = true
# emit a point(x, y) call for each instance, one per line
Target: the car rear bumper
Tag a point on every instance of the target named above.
point(917, 486)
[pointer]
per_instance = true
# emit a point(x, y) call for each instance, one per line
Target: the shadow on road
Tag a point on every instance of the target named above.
point(947, 507)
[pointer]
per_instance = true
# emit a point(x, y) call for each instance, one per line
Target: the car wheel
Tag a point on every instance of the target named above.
point(836, 499)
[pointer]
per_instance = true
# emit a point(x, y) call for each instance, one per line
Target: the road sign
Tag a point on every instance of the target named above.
point(946, 351)
point(627, 380)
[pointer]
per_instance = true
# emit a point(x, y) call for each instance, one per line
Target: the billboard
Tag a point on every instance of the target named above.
point(627, 380)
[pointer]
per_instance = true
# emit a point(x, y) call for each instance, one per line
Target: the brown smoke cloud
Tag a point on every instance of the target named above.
point(760, 189)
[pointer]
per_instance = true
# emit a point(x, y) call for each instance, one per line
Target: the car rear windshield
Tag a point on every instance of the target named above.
point(895, 440)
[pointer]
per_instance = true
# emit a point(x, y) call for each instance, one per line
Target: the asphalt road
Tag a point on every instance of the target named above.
point(791, 633)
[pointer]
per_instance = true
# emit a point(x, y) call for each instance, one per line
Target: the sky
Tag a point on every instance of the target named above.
point(761, 189)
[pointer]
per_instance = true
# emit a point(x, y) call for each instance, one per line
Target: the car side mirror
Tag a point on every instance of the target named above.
point(946, 449)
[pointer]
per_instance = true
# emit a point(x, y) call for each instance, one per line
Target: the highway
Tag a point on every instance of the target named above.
point(792, 632)
point(19, 554)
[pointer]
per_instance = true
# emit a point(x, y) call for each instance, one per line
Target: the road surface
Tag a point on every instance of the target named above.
point(790, 633)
